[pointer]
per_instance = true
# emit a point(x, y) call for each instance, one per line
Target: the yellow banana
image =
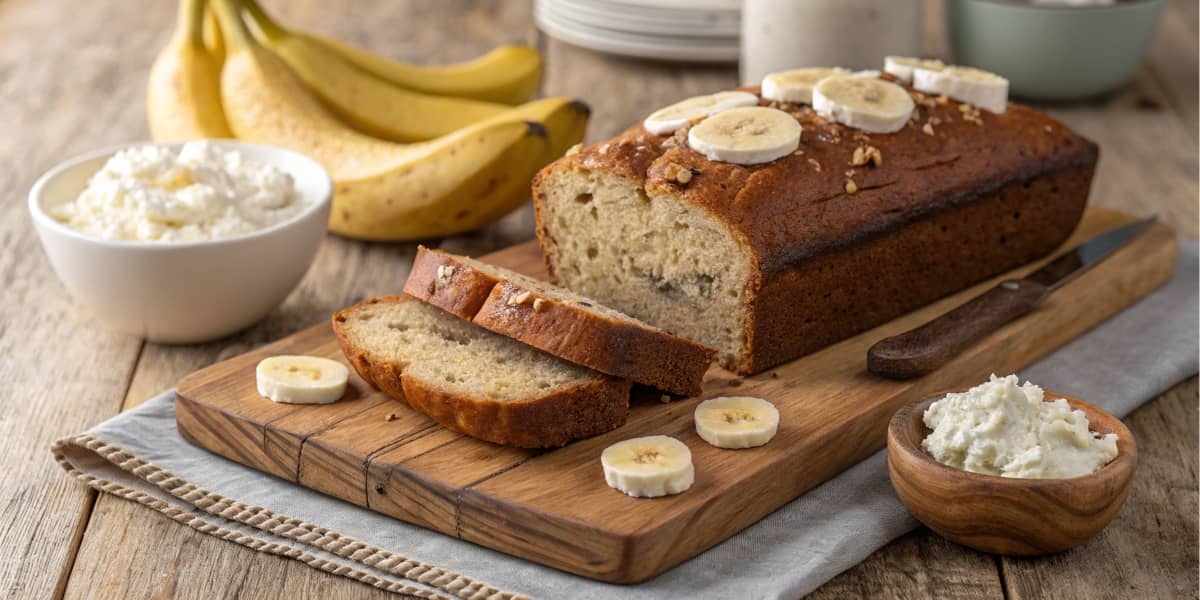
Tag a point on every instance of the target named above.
point(382, 190)
point(455, 196)
point(183, 97)
point(490, 192)
point(368, 103)
point(212, 36)
point(510, 74)
point(507, 185)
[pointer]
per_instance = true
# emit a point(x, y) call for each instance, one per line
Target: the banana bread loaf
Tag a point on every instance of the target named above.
point(769, 262)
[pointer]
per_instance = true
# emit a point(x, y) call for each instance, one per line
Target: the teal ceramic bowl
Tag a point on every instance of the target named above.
point(1053, 53)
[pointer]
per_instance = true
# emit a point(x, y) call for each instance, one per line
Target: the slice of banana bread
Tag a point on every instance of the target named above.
point(558, 321)
point(772, 261)
point(476, 382)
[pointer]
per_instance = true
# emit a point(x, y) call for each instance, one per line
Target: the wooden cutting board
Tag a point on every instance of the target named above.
point(553, 507)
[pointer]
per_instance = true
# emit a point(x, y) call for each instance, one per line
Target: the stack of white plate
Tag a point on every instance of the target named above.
point(683, 30)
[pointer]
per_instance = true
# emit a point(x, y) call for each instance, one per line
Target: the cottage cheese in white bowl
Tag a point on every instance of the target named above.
point(182, 243)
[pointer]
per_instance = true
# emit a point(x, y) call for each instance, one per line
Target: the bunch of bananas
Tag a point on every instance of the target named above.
point(414, 151)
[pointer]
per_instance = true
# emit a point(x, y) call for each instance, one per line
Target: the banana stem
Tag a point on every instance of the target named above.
point(262, 20)
point(233, 29)
point(189, 21)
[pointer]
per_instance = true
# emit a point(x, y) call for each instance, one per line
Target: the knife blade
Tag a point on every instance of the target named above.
point(928, 347)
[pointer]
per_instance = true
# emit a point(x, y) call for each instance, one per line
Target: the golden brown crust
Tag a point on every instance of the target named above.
point(571, 330)
point(436, 279)
point(798, 206)
point(890, 274)
point(552, 420)
point(930, 218)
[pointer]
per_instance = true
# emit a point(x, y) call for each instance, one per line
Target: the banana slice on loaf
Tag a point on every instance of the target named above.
point(872, 105)
point(965, 84)
point(558, 321)
point(746, 136)
point(902, 67)
point(666, 120)
point(796, 85)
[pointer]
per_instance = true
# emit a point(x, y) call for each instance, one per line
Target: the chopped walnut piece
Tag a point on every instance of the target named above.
point(851, 187)
point(859, 158)
point(816, 165)
point(970, 113)
point(923, 100)
point(520, 298)
point(538, 304)
point(680, 136)
point(928, 129)
point(680, 175)
point(866, 155)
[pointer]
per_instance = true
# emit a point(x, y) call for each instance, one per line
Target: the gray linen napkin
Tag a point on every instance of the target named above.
point(139, 455)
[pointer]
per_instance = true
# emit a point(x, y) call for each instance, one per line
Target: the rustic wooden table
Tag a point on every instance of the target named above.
point(72, 79)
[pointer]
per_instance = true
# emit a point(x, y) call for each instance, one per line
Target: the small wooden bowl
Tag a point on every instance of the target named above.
point(1001, 515)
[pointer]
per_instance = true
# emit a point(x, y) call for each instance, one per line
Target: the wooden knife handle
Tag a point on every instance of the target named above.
point(928, 347)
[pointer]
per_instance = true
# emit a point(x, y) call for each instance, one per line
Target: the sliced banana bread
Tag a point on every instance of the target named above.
point(769, 262)
point(476, 382)
point(558, 321)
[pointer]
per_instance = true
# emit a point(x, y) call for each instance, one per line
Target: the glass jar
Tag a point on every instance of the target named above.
point(856, 34)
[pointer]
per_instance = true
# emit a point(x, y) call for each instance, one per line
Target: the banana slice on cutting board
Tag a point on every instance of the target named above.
point(796, 85)
point(666, 120)
point(294, 379)
point(746, 136)
point(872, 105)
point(736, 421)
point(648, 467)
point(903, 66)
point(965, 84)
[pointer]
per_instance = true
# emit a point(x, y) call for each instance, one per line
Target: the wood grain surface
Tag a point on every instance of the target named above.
point(71, 80)
point(553, 507)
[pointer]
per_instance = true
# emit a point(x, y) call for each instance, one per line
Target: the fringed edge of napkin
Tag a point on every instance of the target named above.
point(73, 453)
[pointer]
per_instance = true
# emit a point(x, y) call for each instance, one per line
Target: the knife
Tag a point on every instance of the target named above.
point(928, 347)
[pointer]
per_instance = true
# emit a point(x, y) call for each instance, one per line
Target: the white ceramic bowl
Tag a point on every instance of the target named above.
point(183, 292)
